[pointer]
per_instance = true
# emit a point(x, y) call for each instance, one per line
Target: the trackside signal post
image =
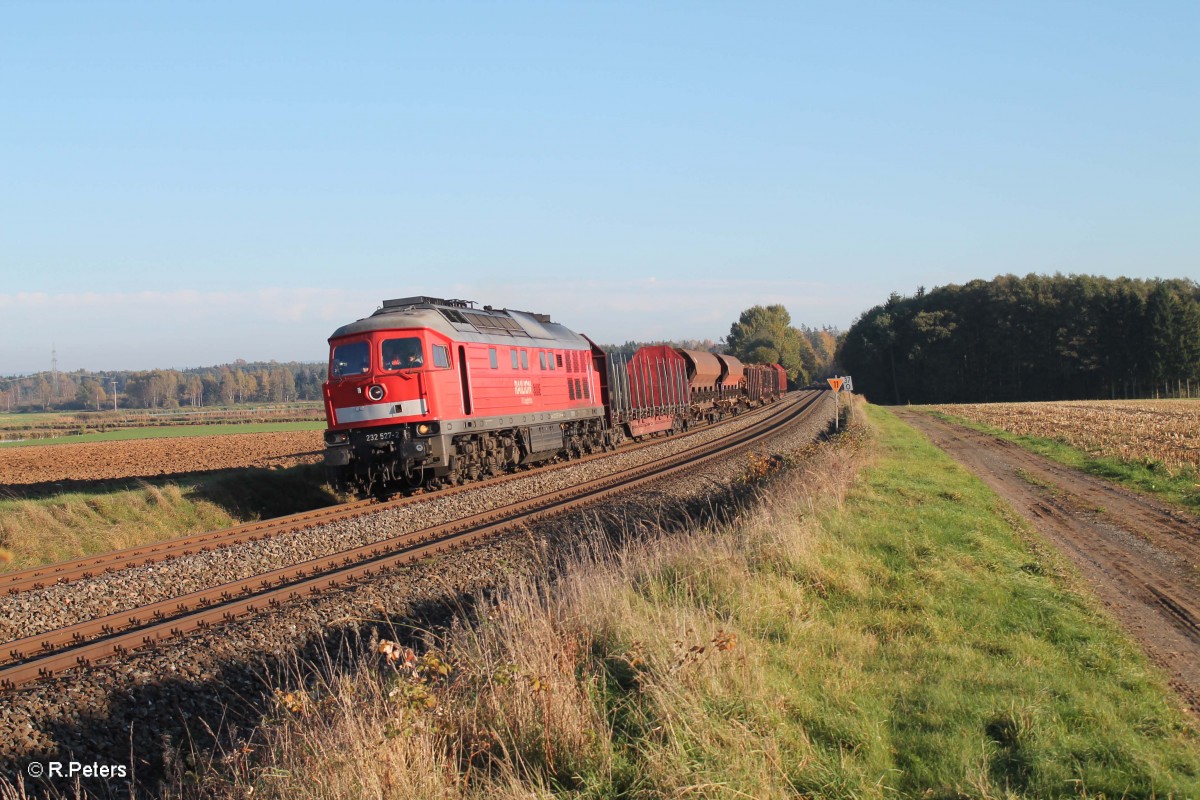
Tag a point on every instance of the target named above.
point(836, 385)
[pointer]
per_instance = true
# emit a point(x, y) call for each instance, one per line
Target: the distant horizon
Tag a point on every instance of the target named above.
point(634, 170)
point(237, 362)
point(321, 359)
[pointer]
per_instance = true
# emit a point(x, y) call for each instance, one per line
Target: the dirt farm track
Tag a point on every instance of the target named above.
point(144, 458)
point(1139, 556)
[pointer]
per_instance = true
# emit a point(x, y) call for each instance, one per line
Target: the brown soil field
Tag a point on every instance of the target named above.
point(1163, 431)
point(145, 458)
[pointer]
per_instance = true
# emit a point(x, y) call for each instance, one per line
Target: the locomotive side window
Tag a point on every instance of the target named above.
point(541, 359)
point(402, 353)
point(350, 359)
point(514, 358)
point(492, 358)
point(524, 359)
point(441, 356)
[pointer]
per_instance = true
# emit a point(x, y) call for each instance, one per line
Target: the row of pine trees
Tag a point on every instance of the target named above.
point(1033, 338)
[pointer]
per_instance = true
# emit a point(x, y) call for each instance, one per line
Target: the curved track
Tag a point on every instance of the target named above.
point(90, 566)
point(83, 643)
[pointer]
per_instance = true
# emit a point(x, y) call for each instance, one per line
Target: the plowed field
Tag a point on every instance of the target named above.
point(1163, 431)
point(100, 461)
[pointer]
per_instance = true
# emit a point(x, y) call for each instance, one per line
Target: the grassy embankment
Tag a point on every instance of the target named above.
point(1180, 487)
point(37, 531)
point(878, 626)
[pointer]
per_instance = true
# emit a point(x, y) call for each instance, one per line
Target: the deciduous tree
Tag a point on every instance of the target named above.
point(764, 334)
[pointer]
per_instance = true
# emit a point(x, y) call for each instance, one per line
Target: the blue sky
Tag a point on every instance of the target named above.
point(189, 183)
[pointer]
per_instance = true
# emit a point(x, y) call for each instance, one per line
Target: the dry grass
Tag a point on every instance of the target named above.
point(1162, 431)
point(45, 531)
point(605, 686)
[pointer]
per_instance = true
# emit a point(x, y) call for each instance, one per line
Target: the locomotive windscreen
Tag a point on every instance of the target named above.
point(350, 359)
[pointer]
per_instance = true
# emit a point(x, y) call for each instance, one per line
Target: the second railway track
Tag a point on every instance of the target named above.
point(83, 643)
point(142, 555)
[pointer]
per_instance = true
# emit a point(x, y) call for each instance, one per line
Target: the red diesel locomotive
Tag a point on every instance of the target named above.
point(430, 392)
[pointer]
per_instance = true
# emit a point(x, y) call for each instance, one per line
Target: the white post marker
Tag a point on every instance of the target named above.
point(836, 385)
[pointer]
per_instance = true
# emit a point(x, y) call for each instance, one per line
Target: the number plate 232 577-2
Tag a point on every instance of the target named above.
point(382, 436)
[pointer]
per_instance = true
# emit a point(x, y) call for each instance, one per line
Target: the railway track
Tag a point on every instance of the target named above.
point(87, 642)
point(142, 555)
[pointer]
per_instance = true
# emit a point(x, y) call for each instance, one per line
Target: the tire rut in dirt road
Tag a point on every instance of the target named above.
point(1141, 556)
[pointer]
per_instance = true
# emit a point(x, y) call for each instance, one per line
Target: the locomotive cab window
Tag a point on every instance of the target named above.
point(441, 356)
point(350, 359)
point(402, 353)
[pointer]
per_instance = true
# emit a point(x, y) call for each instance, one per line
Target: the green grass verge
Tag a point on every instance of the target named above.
point(170, 432)
point(38, 531)
point(923, 646)
point(1181, 488)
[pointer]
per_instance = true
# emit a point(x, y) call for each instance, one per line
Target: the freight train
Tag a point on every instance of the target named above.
point(428, 392)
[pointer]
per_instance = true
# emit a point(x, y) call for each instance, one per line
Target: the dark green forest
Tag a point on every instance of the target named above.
point(1033, 338)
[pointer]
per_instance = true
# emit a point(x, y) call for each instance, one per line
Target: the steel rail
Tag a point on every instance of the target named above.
point(90, 566)
point(46, 654)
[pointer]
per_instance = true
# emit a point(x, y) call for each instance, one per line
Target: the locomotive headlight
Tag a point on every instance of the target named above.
point(424, 429)
point(375, 392)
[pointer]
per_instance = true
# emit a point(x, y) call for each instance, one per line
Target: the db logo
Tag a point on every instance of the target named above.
point(523, 387)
